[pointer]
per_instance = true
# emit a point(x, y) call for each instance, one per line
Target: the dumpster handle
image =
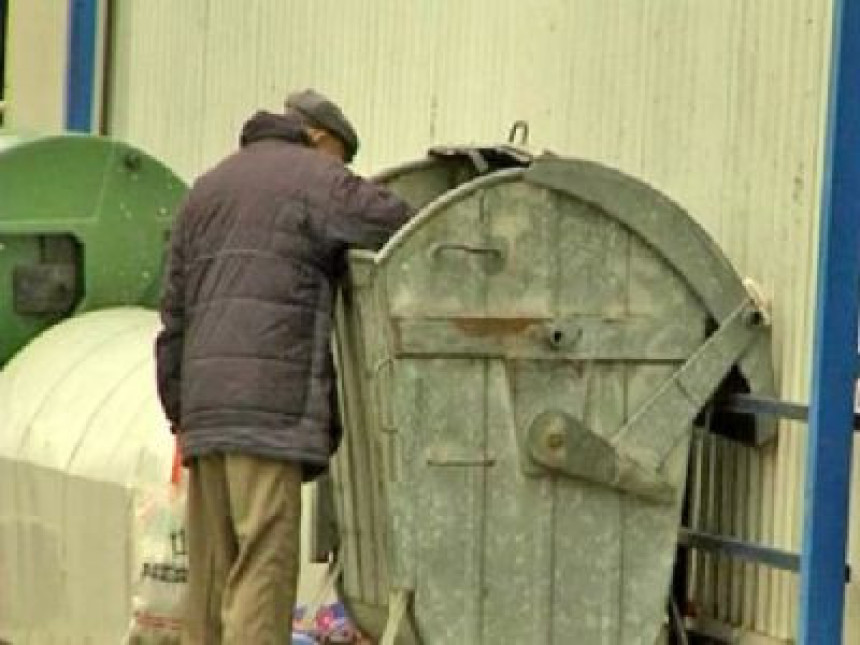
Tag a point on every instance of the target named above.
point(437, 248)
point(385, 425)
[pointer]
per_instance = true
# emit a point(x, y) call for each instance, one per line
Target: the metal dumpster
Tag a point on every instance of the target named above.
point(520, 371)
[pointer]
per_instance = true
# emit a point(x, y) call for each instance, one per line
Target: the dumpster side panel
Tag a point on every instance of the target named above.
point(360, 469)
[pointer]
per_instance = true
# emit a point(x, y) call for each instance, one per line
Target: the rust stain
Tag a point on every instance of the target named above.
point(493, 326)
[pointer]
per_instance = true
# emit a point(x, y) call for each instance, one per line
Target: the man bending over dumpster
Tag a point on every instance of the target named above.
point(244, 368)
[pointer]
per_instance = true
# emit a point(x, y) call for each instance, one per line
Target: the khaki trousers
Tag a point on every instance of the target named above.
point(243, 531)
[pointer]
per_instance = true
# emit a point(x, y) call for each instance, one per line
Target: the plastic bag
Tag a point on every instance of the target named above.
point(162, 563)
point(330, 625)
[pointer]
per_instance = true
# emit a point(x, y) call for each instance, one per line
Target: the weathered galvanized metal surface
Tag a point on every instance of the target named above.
point(521, 320)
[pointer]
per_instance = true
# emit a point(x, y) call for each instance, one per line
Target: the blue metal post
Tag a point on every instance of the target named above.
point(81, 72)
point(828, 472)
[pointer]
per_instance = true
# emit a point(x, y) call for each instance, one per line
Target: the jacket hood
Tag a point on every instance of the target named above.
point(266, 125)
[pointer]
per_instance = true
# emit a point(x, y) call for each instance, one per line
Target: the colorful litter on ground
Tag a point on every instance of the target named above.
point(331, 625)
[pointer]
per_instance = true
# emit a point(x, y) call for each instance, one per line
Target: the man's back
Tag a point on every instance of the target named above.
point(244, 366)
point(259, 243)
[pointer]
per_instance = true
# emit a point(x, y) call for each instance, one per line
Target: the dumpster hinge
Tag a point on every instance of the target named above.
point(632, 459)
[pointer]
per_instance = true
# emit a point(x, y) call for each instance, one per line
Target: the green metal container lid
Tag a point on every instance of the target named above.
point(83, 225)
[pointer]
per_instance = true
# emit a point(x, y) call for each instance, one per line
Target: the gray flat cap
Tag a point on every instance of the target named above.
point(327, 115)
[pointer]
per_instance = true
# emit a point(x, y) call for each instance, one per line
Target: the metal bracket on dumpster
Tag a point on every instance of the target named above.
point(399, 627)
point(632, 459)
point(765, 406)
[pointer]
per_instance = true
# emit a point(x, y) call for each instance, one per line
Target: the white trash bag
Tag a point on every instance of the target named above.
point(162, 563)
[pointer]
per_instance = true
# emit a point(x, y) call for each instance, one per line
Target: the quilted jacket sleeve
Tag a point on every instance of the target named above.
point(169, 343)
point(365, 214)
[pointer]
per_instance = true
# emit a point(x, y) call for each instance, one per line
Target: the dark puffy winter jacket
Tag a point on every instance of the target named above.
point(243, 359)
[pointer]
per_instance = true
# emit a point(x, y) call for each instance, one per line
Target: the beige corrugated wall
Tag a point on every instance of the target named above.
point(719, 103)
point(36, 73)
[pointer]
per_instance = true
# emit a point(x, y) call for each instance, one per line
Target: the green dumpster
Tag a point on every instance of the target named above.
point(83, 225)
point(520, 371)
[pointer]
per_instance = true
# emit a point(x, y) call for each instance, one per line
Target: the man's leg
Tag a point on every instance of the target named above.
point(265, 502)
point(211, 549)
